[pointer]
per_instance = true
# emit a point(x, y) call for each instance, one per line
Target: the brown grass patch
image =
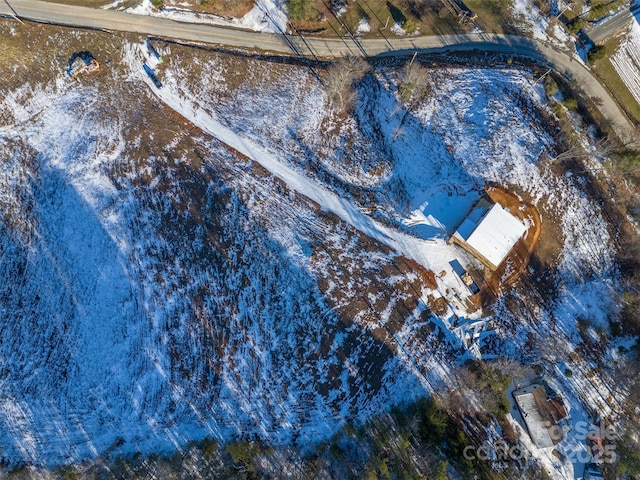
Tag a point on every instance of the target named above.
point(83, 3)
point(493, 15)
point(223, 8)
point(427, 276)
point(429, 18)
point(438, 305)
point(39, 53)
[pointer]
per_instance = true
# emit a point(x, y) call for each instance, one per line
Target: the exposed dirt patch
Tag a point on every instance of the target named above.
point(548, 248)
point(517, 261)
point(515, 264)
point(427, 276)
point(438, 305)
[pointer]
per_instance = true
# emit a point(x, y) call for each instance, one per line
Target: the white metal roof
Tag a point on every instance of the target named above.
point(493, 235)
point(536, 425)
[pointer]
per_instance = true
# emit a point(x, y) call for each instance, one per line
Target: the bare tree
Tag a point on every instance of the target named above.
point(412, 86)
point(520, 374)
point(413, 82)
point(480, 388)
point(454, 401)
point(342, 78)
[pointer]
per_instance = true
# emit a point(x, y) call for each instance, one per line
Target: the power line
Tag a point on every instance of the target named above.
point(13, 13)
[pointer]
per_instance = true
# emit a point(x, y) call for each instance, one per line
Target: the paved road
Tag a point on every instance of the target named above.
point(613, 25)
point(327, 47)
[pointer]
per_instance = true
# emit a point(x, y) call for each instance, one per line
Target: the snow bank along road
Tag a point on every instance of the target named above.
point(560, 61)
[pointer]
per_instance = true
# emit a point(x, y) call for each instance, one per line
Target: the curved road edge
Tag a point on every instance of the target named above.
point(562, 62)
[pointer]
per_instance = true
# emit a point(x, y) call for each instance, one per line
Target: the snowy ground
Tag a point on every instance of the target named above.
point(94, 358)
point(529, 18)
point(177, 282)
point(140, 324)
point(626, 60)
point(434, 254)
point(438, 183)
point(265, 16)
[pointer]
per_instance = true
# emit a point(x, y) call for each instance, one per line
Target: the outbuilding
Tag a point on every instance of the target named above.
point(541, 413)
point(489, 233)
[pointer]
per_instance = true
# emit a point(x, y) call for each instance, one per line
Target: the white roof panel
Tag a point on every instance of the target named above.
point(533, 419)
point(496, 234)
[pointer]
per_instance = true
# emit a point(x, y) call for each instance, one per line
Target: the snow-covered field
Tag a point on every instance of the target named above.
point(626, 60)
point(107, 334)
point(439, 183)
point(156, 302)
point(166, 283)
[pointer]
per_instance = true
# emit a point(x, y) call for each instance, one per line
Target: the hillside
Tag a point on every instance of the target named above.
point(236, 256)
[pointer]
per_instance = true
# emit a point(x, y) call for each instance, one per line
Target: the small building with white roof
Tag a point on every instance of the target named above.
point(489, 233)
point(541, 413)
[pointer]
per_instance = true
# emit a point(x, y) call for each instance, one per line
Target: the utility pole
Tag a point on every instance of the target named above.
point(542, 76)
point(14, 14)
point(566, 7)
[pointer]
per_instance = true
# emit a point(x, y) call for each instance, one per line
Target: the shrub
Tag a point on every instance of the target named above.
point(209, 447)
point(433, 421)
point(557, 109)
point(550, 86)
point(575, 25)
point(408, 25)
point(440, 472)
point(628, 451)
point(413, 82)
point(616, 329)
point(630, 318)
point(596, 53)
point(300, 9)
point(490, 385)
point(544, 6)
point(342, 78)
point(627, 161)
point(570, 103)
point(241, 452)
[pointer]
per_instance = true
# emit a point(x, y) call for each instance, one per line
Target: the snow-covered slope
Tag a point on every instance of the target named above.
point(124, 318)
point(197, 262)
point(155, 296)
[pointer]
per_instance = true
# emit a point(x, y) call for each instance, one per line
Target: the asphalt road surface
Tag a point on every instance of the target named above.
point(560, 61)
point(613, 25)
